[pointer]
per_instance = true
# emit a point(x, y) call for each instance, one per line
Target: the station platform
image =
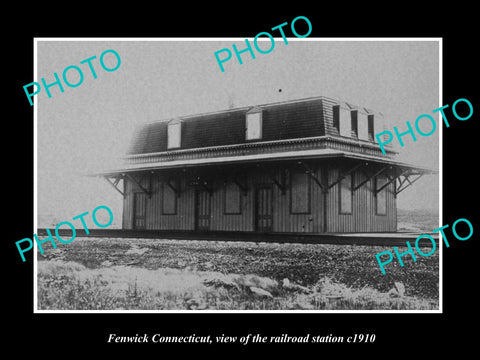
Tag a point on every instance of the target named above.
point(373, 239)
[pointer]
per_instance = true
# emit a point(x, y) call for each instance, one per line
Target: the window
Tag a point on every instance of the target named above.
point(232, 199)
point(381, 198)
point(254, 126)
point(345, 122)
point(299, 193)
point(169, 200)
point(174, 134)
point(355, 122)
point(371, 130)
point(346, 195)
point(342, 120)
point(336, 117)
point(362, 126)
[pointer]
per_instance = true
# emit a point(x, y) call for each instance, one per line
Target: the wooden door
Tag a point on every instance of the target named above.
point(139, 210)
point(263, 209)
point(202, 210)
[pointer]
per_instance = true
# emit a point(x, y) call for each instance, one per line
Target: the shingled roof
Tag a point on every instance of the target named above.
point(291, 131)
point(302, 118)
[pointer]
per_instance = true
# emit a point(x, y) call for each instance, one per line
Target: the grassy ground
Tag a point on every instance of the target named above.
point(92, 273)
point(423, 221)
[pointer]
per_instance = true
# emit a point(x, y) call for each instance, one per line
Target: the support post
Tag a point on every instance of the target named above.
point(401, 182)
point(344, 174)
point(391, 180)
point(138, 184)
point(410, 183)
point(242, 185)
point(175, 189)
point(115, 184)
point(310, 173)
point(281, 184)
point(369, 178)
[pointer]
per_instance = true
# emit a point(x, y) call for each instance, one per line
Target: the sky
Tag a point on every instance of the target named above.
point(87, 129)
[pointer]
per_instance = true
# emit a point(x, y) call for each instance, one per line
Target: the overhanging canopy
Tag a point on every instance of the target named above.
point(266, 157)
point(395, 170)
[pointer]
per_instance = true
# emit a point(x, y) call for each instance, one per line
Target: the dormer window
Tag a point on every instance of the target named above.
point(355, 123)
point(371, 129)
point(174, 134)
point(253, 124)
point(342, 120)
point(362, 120)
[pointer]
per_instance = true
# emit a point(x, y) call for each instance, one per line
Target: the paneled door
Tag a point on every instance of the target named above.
point(263, 209)
point(139, 210)
point(202, 210)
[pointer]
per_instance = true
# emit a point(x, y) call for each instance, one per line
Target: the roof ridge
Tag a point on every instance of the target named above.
point(246, 108)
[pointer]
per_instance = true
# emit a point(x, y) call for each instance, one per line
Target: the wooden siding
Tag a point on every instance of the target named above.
point(286, 127)
point(363, 217)
point(319, 219)
point(184, 217)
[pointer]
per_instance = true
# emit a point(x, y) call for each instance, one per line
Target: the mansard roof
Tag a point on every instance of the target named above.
point(296, 119)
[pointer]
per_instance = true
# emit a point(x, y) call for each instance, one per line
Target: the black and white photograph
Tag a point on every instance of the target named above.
point(262, 187)
point(214, 180)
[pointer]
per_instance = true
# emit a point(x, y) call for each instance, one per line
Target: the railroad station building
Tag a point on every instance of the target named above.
point(303, 166)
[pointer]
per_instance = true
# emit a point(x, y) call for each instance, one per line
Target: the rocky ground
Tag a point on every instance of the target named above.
point(233, 275)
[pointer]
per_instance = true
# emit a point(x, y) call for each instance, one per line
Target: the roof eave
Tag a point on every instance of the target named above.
point(316, 154)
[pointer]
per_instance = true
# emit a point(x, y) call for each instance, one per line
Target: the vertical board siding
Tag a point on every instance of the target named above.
point(337, 222)
point(221, 221)
point(280, 121)
point(184, 218)
point(362, 219)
